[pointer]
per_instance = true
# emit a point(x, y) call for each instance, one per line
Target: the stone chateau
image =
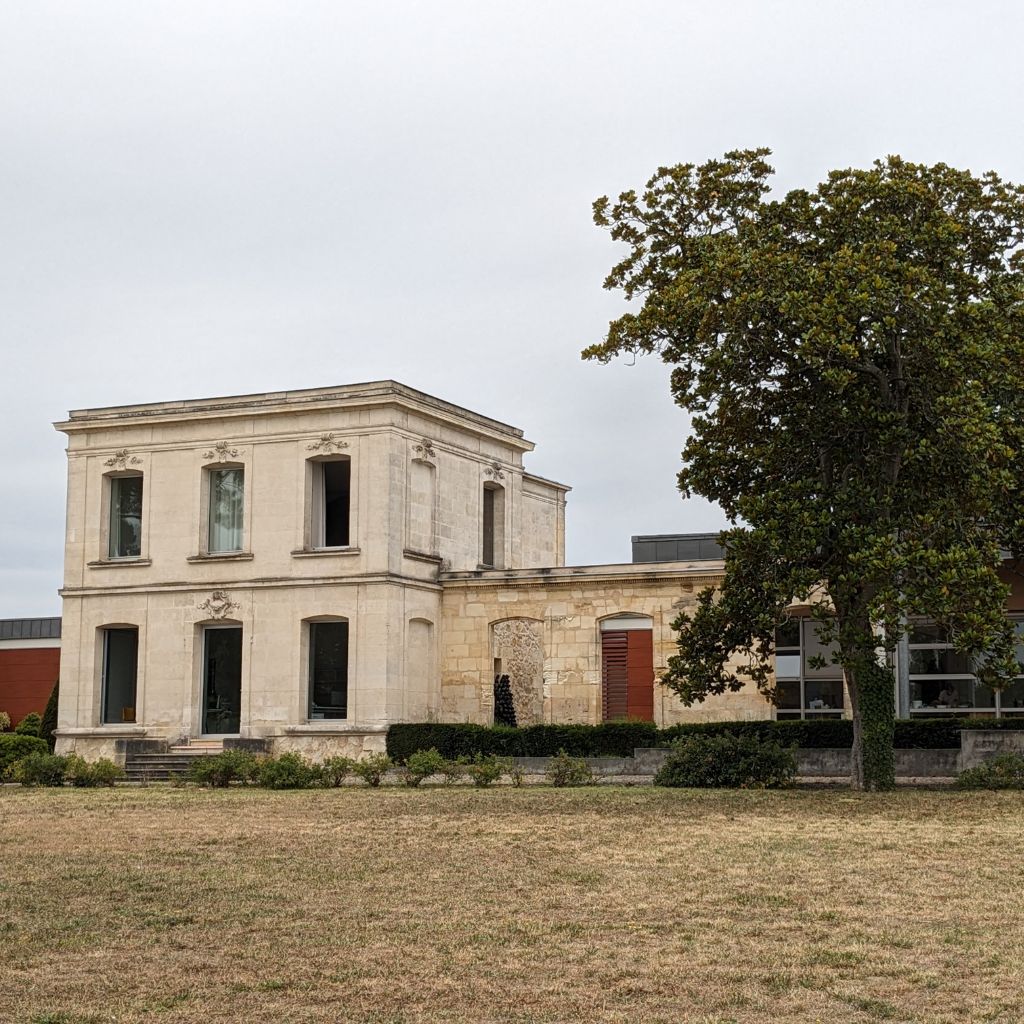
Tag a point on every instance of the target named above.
point(299, 570)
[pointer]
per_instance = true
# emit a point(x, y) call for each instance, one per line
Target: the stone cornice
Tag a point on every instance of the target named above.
point(693, 573)
point(375, 393)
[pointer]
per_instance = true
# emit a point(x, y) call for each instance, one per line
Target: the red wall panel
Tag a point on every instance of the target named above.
point(27, 676)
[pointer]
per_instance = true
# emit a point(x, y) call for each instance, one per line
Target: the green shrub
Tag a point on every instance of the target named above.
point(564, 770)
point(49, 722)
point(373, 769)
point(484, 770)
point(514, 770)
point(735, 762)
point(13, 747)
point(335, 770)
point(220, 770)
point(84, 773)
point(29, 725)
point(39, 769)
point(452, 771)
point(421, 765)
point(289, 771)
point(5, 721)
point(1004, 771)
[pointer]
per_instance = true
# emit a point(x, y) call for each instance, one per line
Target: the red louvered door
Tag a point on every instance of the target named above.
point(627, 675)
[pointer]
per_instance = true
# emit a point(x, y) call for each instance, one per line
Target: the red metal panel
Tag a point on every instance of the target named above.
point(640, 674)
point(27, 676)
point(614, 675)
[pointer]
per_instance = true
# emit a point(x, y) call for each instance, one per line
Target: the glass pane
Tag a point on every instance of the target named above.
point(125, 517)
point(788, 635)
point(227, 492)
point(222, 679)
point(1013, 696)
point(788, 694)
point(787, 666)
point(1019, 630)
point(328, 669)
point(823, 694)
point(814, 648)
point(120, 667)
point(488, 527)
point(927, 633)
point(939, 661)
point(948, 694)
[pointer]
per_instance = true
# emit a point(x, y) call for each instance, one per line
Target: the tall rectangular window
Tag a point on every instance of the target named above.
point(488, 551)
point(120, 673)
point(331, 491)
point(807, 683)
point(328, 670)
point(125, 528)
point(227, 499)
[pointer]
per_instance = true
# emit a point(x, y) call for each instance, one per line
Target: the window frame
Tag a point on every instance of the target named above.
point(106, 526)
point(104, 695)
point(315, 518)
point(310, 627)
point(207, 509)
point(802, 677)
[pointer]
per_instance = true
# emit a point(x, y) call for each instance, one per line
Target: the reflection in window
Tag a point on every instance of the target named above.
point(328, 670)
point(806, 687)
point(227, 493)
point(125, 534)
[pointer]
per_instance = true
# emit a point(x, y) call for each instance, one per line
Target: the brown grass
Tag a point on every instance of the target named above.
point(533, 905)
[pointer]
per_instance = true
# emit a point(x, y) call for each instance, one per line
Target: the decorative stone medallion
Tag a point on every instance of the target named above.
point(425, 450)
point(218, 604)
point(494, 471)
point(121, 460)
point(221, 452)
point(328, 444)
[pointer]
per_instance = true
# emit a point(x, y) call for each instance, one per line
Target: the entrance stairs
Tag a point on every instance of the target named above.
point(176, 761)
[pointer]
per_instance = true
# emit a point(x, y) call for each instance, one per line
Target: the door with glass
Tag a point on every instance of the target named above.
point(222, 679)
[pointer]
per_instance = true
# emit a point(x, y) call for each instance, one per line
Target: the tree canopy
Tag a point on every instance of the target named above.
point(853, 360)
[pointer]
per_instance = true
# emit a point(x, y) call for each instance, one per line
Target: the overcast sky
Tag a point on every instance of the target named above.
point(202, 199)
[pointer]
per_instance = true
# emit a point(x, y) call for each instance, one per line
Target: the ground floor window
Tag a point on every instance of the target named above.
point(942, 681)
point(120, 674)
point(222, 679)
point(328, 670)
point(807, 683)
point(627, 669)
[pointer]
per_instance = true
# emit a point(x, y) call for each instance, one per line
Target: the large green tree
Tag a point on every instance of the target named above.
point(852, 357)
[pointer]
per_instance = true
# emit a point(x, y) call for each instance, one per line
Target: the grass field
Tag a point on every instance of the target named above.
point(530, 905)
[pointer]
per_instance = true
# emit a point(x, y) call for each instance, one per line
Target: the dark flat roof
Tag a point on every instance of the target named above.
point(30, 629)
point(677, 547)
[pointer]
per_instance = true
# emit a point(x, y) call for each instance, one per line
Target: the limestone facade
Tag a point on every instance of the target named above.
point(216, 549)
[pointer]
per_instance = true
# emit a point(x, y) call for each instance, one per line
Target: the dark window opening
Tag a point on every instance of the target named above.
point(332, 486)
point(120, 674)
point(125, 517)
point(488, 551)
point(328, 670)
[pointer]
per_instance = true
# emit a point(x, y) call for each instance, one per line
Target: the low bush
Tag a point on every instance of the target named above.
point(1004, 771)
point(40, 768)
point(452, 771)
point(733, 762)
point(373, 769)
point(220, 770)
point(89, 774)
point(5, 721)
point(13, 747)
point(421, 765)
point(29, 725)
point(289, 771)
point(335, 770)
point(564, 770)
point(484, 770)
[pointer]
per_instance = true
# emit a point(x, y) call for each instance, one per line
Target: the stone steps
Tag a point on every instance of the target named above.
point(159, 767)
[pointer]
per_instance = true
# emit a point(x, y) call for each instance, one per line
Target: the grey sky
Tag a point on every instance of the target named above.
point(212, 198)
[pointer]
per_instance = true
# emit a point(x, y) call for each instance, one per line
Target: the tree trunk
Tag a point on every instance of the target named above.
point(872, 760)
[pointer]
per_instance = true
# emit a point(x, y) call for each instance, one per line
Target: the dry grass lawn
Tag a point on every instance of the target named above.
point(527, 906)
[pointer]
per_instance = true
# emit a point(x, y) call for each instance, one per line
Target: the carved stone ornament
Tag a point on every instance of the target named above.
point(425, 450)
point(122, 460)
point(221, 452)
point(218, 604)
point(495, 471)
point(328, 444)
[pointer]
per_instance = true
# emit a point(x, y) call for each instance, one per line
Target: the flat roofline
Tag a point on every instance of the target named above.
point(677, 536)
point(272, 400)
point(545, 480)
point(36, 628)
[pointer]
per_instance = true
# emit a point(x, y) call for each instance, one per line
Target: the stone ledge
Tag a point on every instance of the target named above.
point(227, 556)
point(118, 563)
point(327, 729)
point(111, 732)
point(325, 552)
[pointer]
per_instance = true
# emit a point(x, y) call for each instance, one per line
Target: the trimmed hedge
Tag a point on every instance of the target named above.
point(14, 746)
point(618, 739)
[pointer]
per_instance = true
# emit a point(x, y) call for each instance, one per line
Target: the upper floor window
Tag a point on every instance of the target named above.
point(808, 684)
point(331, 489)
point(124, 535)
point(492, 554)
point(227, 502)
